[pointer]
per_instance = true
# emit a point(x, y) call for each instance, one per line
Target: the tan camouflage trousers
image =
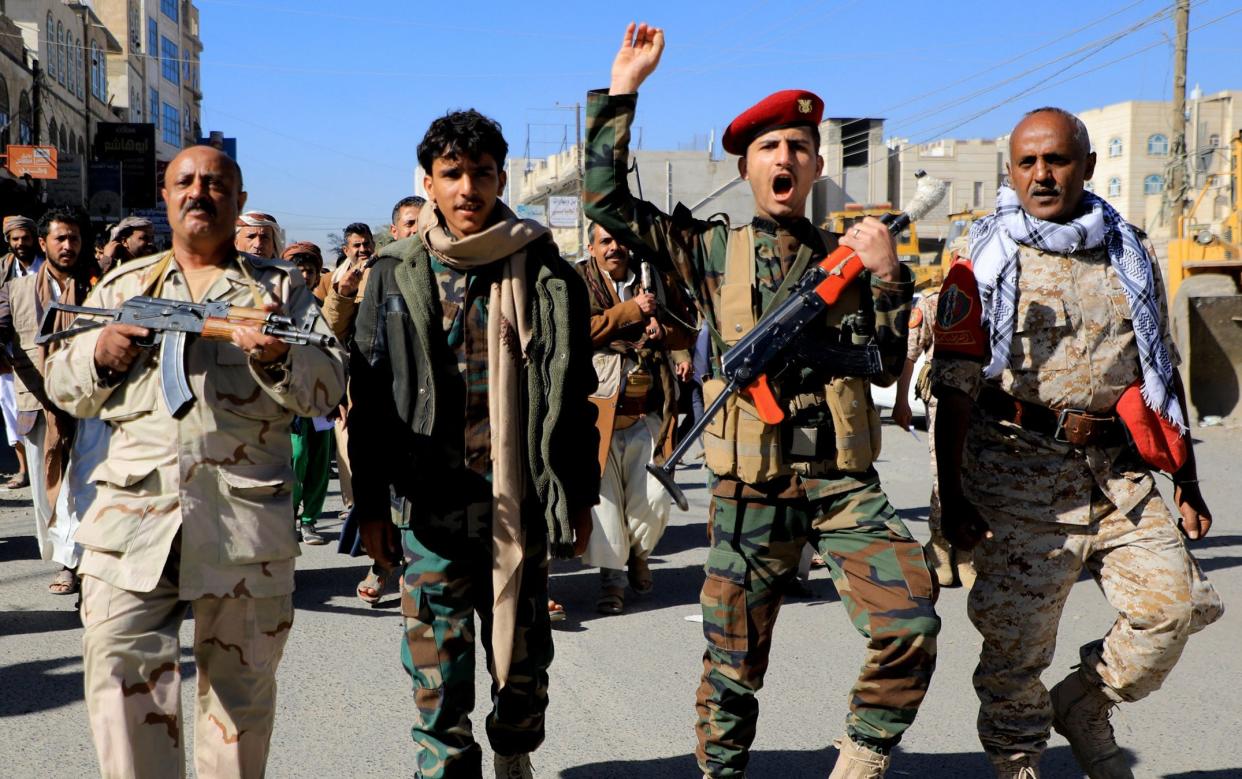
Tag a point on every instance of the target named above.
point(132, 658)
point(1025, 573)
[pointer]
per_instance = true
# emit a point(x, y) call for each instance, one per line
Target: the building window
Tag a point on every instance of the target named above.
point(155, 108)
point(51, 46)
point(1153, 185)
point(978, 194)
point(25, 124)
point(1214, 140)
point(169, 65)
point(1089, 186)
point(172, 125)
point(64, 140)
point(51, 132)
point(5, 116)
point(1114, 147)
point(1114, 186)
point(153, 38)
point(1158, 145)
point(81, 84)
point(169, 8)
point(60, 53)
point(99, 73)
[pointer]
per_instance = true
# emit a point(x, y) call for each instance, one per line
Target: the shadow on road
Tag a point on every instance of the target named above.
point(316, 586)
point(42, 685)
point(815, 763)
point(17, 623)
point(18, 547)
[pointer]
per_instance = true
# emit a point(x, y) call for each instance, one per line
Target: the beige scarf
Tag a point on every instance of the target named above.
point(508, 334)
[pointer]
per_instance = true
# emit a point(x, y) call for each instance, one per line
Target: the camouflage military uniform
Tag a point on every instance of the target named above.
point(195, 512)
point(438, 356)
point(1055, 509)
point(758, 530)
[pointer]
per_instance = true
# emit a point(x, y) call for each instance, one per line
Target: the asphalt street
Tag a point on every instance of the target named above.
point(622, 687)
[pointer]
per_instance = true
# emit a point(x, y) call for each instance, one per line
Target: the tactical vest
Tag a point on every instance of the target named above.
point(737, 443)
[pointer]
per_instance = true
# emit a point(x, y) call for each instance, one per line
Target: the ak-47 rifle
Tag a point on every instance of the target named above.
point(170, 322)
point(776, 338)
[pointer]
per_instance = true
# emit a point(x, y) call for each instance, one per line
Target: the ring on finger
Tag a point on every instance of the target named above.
point(856, 232)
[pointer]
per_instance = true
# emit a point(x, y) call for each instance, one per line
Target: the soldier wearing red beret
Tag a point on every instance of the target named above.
point(809, 479)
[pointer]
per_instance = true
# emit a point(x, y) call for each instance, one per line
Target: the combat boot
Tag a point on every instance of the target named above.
point(1080, 712)
point(856, 761)
point(1024, 767)
point(940, 559)
point(513, 766)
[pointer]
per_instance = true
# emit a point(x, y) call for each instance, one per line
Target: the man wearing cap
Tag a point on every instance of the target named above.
point(810, 478)
point(22, 259)
point(259, 234)
point(132, 237)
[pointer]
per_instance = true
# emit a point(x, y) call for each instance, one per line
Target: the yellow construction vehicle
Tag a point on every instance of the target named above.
point(926, 274)
point(1205, 300)
point(959, 225)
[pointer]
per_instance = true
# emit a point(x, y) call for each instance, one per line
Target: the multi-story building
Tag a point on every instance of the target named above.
point(855, 170)
point(69, 96)
point(972, 168)
point(171, 75)
point(1132, 141)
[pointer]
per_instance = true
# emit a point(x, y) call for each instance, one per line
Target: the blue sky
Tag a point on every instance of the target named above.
point(329, 100)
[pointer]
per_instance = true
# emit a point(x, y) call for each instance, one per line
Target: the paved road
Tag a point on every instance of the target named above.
point(623, 687)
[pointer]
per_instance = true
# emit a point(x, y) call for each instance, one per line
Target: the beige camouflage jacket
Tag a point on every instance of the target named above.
point(1073, 347)
point(217, 482)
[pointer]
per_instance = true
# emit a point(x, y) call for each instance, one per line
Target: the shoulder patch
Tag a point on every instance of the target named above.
point(958, 330)
point(916, 318)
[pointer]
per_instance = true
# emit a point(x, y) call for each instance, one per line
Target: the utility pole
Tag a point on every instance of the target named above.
point(1177, 183)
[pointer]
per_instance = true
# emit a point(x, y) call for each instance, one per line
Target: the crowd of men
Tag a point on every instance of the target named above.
point(482, 359)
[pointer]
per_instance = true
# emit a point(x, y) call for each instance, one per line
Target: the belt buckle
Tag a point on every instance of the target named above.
point(1059, 433)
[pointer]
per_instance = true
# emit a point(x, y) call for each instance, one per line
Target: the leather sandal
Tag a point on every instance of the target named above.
point(65, 583)
point(639, 574)
point(18, 482)
point(611, 601)
point(374, 587)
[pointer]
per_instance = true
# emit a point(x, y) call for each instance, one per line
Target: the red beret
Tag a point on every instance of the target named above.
point(786, 108)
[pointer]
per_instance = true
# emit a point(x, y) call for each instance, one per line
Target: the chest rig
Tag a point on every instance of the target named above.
point(831, 422)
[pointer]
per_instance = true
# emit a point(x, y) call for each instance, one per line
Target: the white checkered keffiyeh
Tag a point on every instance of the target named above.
point(994, 243)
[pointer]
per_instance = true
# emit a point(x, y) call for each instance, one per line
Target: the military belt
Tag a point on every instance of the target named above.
point(1072, 426)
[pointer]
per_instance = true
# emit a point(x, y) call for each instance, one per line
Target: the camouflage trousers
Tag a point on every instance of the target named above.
point(1025, 573)
point(882, 577)
point(447, 580)
point(132, 658)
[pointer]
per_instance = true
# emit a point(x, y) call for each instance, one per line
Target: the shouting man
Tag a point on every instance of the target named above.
point(811, 477)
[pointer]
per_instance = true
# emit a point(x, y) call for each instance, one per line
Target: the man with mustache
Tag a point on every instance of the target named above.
point(638, 360)
point(1051, 343)
point(23, 259)
point(811, 477)
point(471, 362)
point(47, 432)
point(259, 234)
point(193, 509)
point(133, 236)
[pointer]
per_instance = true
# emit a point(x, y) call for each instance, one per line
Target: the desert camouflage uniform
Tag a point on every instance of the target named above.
point(758, 531)
point(1055, 509)
point(920, 343)
point(191, 512)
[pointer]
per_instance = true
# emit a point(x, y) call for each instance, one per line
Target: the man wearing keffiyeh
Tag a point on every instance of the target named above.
point(1053, 315)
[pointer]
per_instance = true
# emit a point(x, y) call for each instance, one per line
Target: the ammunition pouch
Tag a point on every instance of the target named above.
point(738, 443)
point(855, 421)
